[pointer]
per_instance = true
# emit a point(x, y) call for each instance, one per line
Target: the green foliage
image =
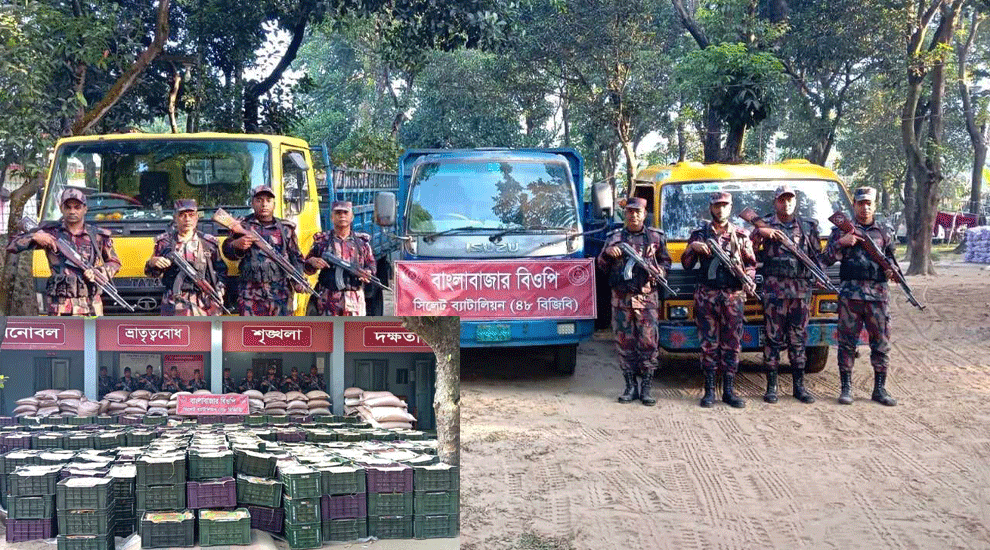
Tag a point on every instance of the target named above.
point(366, 148)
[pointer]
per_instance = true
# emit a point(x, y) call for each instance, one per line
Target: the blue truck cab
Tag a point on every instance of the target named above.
point(497, 204)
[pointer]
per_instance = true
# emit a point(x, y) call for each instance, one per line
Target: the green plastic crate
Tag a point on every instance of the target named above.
point(160, 497)
point(161, 470)
point(390, 527)
point(259, 491)
point(344, 480)
point(125, 527)
point(110, 440)
point(35, 480)
point(140, 438)
point(255, 464)
point(104, 420)
point(436, 503)
point(168, 529)
point(436, 477)
point(301, 481)
point(210, 465)
point(278, 419)
point(154, 420)
point(86, 542)
point(77, 420)
point(29, 421)
point(30, 507)
point(218, 528)
point(79, 441)
point(390, 504)
point(306, 535)
point(299, 511)
point(84, 493)
point(436, 527)
point(256, 420)
point(49, 440)
point(321, 437)
point(341, 530)
point(86, 522)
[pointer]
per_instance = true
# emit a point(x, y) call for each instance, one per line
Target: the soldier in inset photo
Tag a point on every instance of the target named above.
point(351, 246)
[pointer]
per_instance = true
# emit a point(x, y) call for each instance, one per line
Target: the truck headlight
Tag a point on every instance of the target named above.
point(565, 329)
point(677, 312)
point(828, 306)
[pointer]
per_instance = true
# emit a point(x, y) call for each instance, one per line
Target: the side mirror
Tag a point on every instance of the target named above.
point(385, 209)
point(601, 195)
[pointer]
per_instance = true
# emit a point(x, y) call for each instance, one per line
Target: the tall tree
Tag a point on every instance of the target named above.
point(974, 108)
point(443, 334)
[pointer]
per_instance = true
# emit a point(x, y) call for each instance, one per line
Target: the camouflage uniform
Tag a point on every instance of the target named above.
point(246, 385)
point(195, 384)
point(311, 383)
point(291, 384)
point(173, 385)
point(863, 301)
point(263, 288)
point(128, 384)
point(68, 292)
point(106, 385)
point(151, 383)
point(787, 286)
point(271, 384)
point(182, 297)
point(355, 249)
point(228, 386)
point(719, 304)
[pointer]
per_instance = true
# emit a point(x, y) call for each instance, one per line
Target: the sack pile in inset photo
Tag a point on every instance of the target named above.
point(978, 245)
point(381, 409)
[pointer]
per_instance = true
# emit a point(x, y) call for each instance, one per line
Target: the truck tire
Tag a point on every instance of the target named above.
point(565, 359)
point(816, 356)
point(603, 295)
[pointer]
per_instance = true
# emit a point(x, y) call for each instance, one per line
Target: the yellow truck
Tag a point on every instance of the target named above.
point(677, 202)
point(131, 181)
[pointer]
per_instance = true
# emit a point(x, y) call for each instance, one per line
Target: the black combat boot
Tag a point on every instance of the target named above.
point(728, 395)
point(644, 390)
point(880, 394)
point(771, 395)
point(800, 393)
point(630, 394)
point(845, 395)
point(709, 398)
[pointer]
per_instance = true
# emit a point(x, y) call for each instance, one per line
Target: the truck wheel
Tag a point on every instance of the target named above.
point(817, 356)
point(565, 359)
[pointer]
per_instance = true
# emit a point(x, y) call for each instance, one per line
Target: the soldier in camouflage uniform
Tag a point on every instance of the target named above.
point(272, 382)
point(149, 381)
point(719, 297)
point(71, 291)
point(292, 382)
point(787, 286)
point(249, 383)
point(197, 382)
point(635, 302)
point(182, 297)
point(173, 383)
point(863, 296)
point(228, 385)
point(106, 383)
point(348, 245)
point(263, 288)
point(127, 383)
point(314, 381)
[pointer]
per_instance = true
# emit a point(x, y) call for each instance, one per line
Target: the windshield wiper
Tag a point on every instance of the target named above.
point(498, 236)
point(430, 237)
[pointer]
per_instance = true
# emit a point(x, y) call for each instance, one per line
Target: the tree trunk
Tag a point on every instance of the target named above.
point(172, 96)
point(681, 141)
point(977, 132)
point(734, 141)
point(713, 135)
point(443, 334)
point(8, 275)
point(84, 123)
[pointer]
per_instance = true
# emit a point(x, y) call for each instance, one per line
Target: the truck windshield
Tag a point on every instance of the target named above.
point(684, 206)
point(495, 195)
point(140, 180)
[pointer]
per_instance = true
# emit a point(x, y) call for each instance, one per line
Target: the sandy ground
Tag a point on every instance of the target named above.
point(554, 462)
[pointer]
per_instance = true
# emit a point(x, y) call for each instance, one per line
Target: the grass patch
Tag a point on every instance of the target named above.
point(530, 541)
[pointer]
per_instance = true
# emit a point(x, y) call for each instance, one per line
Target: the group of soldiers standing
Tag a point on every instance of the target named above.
point(264, 288)
point(720, 295)
point(171, 381)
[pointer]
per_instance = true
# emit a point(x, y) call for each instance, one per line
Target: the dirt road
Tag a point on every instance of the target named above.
point(555, 462)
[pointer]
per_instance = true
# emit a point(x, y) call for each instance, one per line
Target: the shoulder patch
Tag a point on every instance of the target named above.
point(287, 223)
point(363, 236)
point(212, 239)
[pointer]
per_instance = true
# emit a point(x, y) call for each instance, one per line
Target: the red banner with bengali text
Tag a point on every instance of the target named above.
point(497, 289)
point(203, 404)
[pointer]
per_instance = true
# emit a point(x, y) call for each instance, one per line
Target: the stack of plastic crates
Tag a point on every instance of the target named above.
point(344, 503)
point(85, 513)
point(30, 502)
point(161, 483)
point(390, 501)
point(125, 505)
point(436, 501)
point(303, 488)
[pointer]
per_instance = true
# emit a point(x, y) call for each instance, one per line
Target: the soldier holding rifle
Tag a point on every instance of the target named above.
point(81, 256)
point(786, 285)
point(635, 301)
point(722, 286)
point(341, 292)
point(185, 294)
point(265, 286)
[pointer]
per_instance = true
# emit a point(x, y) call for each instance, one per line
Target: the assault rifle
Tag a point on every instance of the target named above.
point(651, 268)
point(225, 219)
point(821, 278)
point(201, 283)
point(67, 250)
point(343, 265)
point(732, 264)
point(846, 226)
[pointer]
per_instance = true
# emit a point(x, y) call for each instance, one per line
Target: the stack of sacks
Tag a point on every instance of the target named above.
point(26, 407)
point(275, 403)
point(158, 405)
point(64, 403)
point(115, 402)
point(137, 402)
point(319, 403)
point(256, 402)
point(173, 402)
point(297, 403)
point(352, 399)
point(47, 403)
point(978, 245)
point(382, 409)
point(68, 402)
